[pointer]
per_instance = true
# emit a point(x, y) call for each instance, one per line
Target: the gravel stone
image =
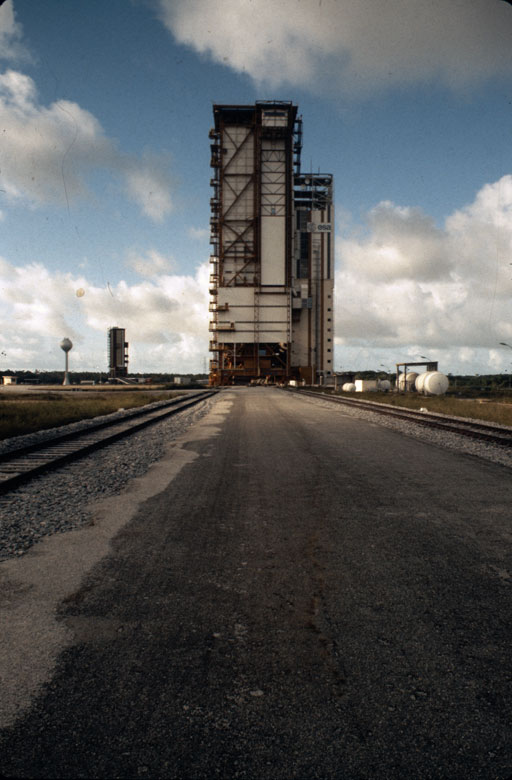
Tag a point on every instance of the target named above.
point(59, 501)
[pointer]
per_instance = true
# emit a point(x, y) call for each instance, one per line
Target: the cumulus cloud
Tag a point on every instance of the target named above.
point(148, 184)
point(166, 319)
point(404, 288)
point(349, 44)
point(199, 234)
point(11, 44)
point(407, 286)
point(49, 152)
point(150, 263)
point(402, 243)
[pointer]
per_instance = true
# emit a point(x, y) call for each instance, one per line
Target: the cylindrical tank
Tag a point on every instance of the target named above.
point(411, 379)
point(435, 383)
point(349, 387)
point(384, 385)
point(420, 379)
point(406, 381)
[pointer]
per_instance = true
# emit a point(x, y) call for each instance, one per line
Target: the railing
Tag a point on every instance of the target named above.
point(221, 326)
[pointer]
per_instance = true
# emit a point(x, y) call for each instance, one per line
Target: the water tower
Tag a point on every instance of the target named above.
point(66, 344)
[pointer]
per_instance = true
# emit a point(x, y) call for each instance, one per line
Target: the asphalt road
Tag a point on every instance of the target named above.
point(310, 596)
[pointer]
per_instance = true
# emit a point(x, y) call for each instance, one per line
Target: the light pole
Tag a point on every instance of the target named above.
point(66, 344)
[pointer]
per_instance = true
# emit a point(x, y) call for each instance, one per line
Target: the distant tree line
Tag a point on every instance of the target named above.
point(76, 377)
point(461, 384)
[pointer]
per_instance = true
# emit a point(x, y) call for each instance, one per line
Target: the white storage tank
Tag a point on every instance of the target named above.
point(406, 381)
point(349, 387)
point(384, 385)
point(435, 383)
point(420, 379)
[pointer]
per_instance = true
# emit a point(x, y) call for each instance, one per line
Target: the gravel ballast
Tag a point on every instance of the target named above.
point(60, 501)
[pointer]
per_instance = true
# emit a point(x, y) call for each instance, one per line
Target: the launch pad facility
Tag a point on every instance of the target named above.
point(272, 262)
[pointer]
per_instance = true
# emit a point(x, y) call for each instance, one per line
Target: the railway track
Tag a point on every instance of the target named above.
point(465, 427)
point(24, 463)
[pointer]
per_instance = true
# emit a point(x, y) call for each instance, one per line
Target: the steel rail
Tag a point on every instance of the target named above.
point(23, 463)
point(93, 426)
point(464, 427)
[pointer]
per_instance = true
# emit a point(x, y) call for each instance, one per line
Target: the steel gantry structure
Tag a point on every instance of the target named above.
point(271, 280)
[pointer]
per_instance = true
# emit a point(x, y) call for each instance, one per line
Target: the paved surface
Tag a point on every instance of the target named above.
point(311, 596)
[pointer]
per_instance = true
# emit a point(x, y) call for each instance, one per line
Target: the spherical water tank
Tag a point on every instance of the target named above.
point(384, 385)
point(435, 383)
point(349, 387)
point(66, 344)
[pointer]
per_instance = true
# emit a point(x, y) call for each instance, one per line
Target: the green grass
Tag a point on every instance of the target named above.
point(29, 412)
point(488, 410)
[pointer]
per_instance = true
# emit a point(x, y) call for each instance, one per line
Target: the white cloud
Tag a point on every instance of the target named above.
point(402, 243)
point(148, 184)
point(352, 45)
point(166, 319)
point(405, 286)
point(11, 45)
point(199, 234)
point(49, 152)
point(150, 263)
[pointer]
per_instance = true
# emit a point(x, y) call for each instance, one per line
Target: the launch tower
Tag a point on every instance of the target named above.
point(117, 353)
point(271, 281)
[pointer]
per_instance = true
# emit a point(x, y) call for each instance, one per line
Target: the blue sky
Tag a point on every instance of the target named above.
point(105, 109)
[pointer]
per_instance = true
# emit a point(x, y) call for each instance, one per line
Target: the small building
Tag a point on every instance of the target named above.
point(8, 379)
point(366, 385)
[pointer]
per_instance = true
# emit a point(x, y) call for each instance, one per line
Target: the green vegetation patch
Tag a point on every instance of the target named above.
point(26, 413)
point(484, 409)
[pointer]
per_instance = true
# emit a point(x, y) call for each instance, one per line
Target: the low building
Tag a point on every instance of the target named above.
point(366, 385)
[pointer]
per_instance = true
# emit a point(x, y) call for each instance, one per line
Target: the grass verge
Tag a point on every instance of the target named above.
point(23, 414)
point(486, 410)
